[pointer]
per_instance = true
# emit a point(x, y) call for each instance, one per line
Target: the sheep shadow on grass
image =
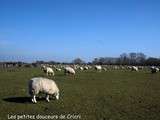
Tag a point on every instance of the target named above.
point(21, 99)
point(25, 99)
point(18, 99)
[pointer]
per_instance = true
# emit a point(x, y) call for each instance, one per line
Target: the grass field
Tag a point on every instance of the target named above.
point(111, 95)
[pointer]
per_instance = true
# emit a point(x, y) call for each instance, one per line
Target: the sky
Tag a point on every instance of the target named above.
point(62, 30)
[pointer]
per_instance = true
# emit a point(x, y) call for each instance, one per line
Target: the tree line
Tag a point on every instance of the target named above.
point(124, 59)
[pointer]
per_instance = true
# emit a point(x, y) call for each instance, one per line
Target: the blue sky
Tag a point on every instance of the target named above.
point(65, 29)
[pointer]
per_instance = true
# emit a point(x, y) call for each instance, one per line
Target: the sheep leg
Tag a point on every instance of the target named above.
point(47, 98)
point(34, 99)
point(57, 95)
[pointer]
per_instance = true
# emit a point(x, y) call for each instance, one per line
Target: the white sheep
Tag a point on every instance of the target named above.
point(48, 70)
point(69, 70)
point(81, 68)
point(154, 69)
point(134, 68)
point(58, 69)
point(98, 67)
point(86, 68)
point(43, 67)
point(44, 85)
point(75, 67)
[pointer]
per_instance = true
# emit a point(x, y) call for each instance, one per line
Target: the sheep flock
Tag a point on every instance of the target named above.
point(49, 87)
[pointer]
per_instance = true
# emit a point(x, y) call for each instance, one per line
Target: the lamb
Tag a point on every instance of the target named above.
point(44, 85)
point(69, 70)
point(48, 70)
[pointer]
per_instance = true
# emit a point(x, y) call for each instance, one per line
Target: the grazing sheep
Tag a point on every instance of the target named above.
point(43, 67)
point(89, 66)
point(81, 68)
point(134, 68)
point(129, 67)
point(154, 69)
point(98, 67)
point(115, 67)
point(44, 85)
point(69, 70)
point(75, 67)
point(86, 68)
point(48, 70)
point(58, 69)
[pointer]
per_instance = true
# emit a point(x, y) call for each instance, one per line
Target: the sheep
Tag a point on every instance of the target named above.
point(58, 69)
point(98, 67)
point(48, 70)
point(89, 67)
point(134, 68)
point(154, 69)
point(129, 67)
point(43, 67)
point(75, 67)
point(115, 67)
point(44, 85)
point(69, 70)
point(86, 68)
point(81, 68)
